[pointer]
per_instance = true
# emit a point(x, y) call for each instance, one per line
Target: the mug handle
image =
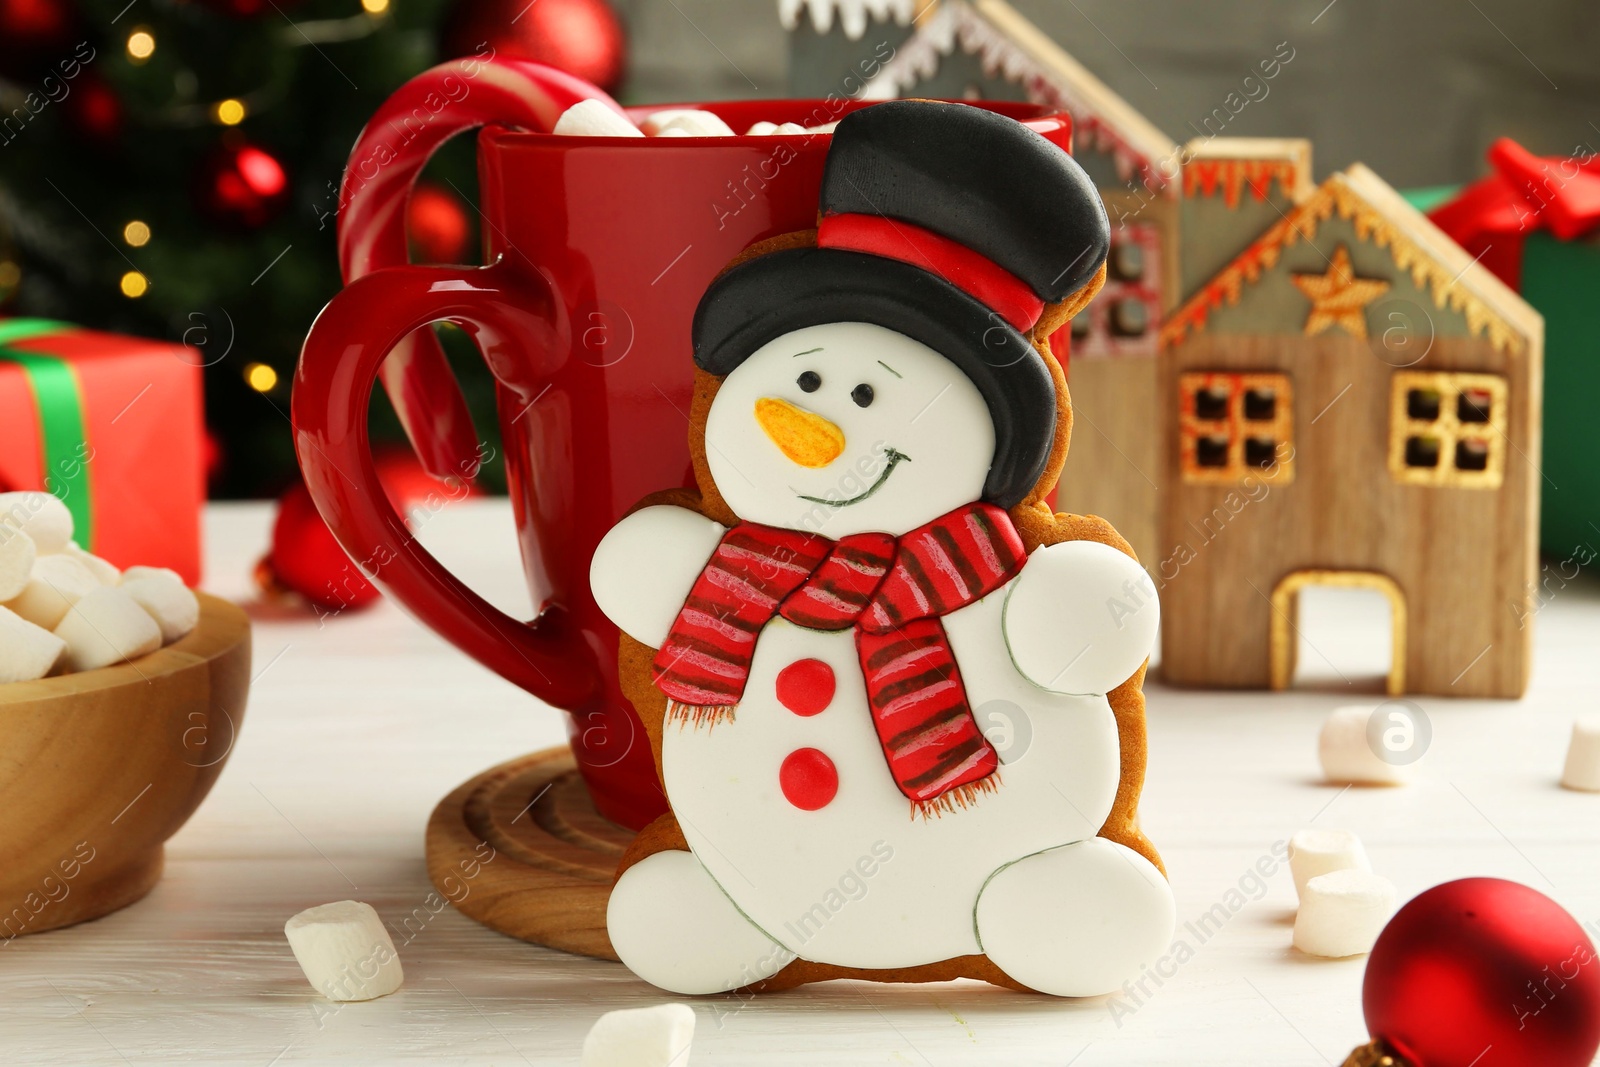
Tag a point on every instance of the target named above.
point(513, 316)
point(383, 166)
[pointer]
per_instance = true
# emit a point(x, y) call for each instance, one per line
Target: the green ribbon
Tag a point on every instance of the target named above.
point(59, 399)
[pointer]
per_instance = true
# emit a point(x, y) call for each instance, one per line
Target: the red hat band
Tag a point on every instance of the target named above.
point(979, 277)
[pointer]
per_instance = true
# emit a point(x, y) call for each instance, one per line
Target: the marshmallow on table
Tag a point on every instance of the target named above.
point(103, 572)
point(344, 951)
point(27, 651)
point(106, 626)
point(164, 597)
point(1342, 913)
point(1313, 853)
point(54, 585)
point(693, 123)
point(593, 118)
point(42, 516)
point(1583, 757)
point(641, 1037)
point(17, 554)
point(1346, 751)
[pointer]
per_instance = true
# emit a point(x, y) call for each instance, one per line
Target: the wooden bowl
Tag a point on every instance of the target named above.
point(98, 769)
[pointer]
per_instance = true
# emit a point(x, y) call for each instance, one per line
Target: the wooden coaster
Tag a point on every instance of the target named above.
point(521, 849)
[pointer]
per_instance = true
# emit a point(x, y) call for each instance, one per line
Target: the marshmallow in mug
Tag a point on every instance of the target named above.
point(768, 129)
point(592, 118)
point(692, 121)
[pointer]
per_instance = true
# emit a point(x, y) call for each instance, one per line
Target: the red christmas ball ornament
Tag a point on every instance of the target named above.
point(438, 226)
point(1485, 972)
point(34, 36)
point(581, 37)
point(241, 186)
point(94, 110)
point(305, 558)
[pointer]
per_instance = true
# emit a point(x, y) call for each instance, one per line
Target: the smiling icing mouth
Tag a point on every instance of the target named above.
point(894, 458)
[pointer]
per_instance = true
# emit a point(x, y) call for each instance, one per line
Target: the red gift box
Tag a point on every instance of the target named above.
point(115, 427)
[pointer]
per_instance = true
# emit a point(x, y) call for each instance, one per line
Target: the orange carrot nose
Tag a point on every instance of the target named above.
point(804, 436)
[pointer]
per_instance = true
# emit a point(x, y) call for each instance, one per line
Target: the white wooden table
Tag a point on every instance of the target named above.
point(357, 727)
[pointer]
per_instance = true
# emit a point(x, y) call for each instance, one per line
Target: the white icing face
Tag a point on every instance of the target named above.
point(848, 428)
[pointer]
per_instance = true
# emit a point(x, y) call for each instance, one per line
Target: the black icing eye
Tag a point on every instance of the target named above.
point(810, 381)
point(862, 395)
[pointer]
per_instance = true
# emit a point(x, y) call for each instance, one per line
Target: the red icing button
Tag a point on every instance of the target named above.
point(809, 778)
point(806, 686)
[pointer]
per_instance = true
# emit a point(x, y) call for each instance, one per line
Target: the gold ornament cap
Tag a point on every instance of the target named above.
point(1374, 1054)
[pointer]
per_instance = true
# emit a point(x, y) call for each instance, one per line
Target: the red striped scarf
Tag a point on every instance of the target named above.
point(893, 592)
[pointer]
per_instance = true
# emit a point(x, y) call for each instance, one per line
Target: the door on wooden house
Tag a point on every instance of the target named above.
point(1340, 630)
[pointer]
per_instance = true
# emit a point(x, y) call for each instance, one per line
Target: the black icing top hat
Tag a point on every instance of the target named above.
point(952, 225)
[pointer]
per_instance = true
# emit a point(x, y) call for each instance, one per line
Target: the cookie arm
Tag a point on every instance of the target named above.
point(1080, 618)
point(644, 568)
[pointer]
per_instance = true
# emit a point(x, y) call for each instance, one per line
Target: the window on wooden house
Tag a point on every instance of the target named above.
point(1124, 319)
point(1447, 429)
point(1235, 426)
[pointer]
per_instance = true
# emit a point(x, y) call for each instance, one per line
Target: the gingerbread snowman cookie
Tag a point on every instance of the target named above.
point(895, 701)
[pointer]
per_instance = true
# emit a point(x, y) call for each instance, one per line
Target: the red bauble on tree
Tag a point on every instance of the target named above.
point(1483, 972)
point(240, 185)
point(437, 223)
point(94, 111)
point(34, 36)
point(581, 37)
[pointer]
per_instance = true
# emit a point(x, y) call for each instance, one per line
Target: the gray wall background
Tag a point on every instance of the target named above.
point(1416, 89)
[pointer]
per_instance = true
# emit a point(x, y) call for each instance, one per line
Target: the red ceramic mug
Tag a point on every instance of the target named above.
point(599, 249)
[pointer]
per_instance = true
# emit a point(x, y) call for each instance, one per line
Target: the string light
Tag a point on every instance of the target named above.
point(141, 44)
point(260, 377)
point(374, 7)
point(230, 112)
point(136, 233)
point(134, 284)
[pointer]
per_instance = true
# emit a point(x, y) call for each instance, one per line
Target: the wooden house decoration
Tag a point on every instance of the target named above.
point(1351, 401)
point(1282, 384)
point(984, 49)
point(837, 46)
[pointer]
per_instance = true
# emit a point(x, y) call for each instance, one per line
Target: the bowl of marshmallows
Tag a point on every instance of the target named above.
point(121, 694)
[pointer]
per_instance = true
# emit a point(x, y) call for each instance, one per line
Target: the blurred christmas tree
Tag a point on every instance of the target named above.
point(169, 169)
